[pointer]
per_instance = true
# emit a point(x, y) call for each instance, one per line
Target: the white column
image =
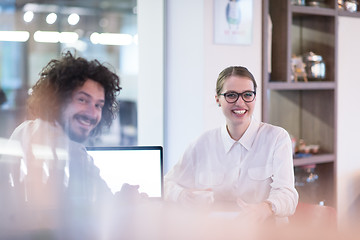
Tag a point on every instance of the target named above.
point(348, 155)
point(151, 72)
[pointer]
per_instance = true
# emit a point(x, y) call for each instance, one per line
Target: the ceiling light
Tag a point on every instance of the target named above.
point(79, 45)
point(54, 37)
point(94, 38)
point(46, 36)
point(51, 18)
point(73, 19)
point(136, 39)
point(28, 16)
point(68, 37)
point(14, 36)
point(111, 38)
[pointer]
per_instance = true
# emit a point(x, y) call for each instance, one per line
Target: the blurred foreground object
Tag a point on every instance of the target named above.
point(313, 215)
point(3, 98)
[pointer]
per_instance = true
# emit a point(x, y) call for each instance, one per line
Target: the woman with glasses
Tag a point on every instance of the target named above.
point(246, 164)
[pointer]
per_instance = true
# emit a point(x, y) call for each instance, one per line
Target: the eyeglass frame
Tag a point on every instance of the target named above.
point(238, 95)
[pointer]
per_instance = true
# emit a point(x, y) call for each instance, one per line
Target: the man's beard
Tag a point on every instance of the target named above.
point(73, 135)
point(80, 138)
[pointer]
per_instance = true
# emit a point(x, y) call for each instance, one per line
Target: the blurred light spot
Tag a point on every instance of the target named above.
point(14, 36)
point(111, 38)
point(28, 16)
point(73, 19)
point(51, 18)
point(136, 39)
point(54, 37)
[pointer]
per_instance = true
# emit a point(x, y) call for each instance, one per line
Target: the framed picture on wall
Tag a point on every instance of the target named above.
point(233, 21)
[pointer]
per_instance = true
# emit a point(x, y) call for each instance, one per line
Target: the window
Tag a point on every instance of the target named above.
point(103, 30)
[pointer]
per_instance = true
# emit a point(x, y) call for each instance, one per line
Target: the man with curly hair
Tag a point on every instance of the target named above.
point(48, 178)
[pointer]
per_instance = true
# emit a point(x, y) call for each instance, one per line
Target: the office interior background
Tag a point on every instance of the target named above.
point(168, 68)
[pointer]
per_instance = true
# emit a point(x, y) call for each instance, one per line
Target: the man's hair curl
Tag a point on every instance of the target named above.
point(58, 80)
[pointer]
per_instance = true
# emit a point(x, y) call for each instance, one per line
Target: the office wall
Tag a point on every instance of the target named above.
point(184, 76)
point(193, 62)
point(348, 154)
point(151, 72)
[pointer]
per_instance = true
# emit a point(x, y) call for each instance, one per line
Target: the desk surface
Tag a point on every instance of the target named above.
point(154, 220)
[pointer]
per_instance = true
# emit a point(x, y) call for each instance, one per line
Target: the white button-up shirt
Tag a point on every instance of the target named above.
point(256, 168)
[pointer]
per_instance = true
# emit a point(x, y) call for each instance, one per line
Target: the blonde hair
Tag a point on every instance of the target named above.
point(233, 71)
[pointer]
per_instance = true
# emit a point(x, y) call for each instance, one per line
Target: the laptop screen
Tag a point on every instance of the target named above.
point(136, 165)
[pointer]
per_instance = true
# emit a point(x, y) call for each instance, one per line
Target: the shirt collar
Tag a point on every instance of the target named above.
point(246, 140)
point(227, 140)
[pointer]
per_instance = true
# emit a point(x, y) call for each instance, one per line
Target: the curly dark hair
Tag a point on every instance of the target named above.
point(59, 78)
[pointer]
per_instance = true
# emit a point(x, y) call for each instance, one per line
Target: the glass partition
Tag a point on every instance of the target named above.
point(33, 32)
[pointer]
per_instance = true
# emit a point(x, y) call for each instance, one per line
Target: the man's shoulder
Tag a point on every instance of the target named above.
point(31, 126)
point(25, 126)
point(40, 132)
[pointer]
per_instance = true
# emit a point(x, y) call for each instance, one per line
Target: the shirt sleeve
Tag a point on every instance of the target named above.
point(283, 194)
point(102, 189)
point(85, 182)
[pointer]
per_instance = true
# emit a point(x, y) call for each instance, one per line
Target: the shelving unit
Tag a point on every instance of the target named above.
point(307, 110)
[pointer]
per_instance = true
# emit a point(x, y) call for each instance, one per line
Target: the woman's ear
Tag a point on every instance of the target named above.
point(217, 100)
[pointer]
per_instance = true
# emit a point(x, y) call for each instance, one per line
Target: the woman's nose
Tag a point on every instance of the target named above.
point(240, 100)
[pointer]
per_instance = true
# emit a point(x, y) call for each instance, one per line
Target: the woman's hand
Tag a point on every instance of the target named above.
point(255, 213)
point(198, 198)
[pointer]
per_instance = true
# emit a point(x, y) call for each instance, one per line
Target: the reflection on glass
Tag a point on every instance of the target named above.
point(47, 30)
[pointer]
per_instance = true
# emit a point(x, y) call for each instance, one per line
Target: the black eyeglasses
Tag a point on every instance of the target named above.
point(247, 96)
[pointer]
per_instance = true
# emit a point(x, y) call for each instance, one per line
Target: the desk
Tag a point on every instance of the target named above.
point(157, 220)
point(167, 221)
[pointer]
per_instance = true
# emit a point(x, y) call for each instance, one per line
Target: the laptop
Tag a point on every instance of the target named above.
point(135, 165)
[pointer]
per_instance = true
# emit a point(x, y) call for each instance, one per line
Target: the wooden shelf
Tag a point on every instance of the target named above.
point(321, 11)
point(348, 14)
point(307, 110)
point(301, 85)
point(315, 159)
